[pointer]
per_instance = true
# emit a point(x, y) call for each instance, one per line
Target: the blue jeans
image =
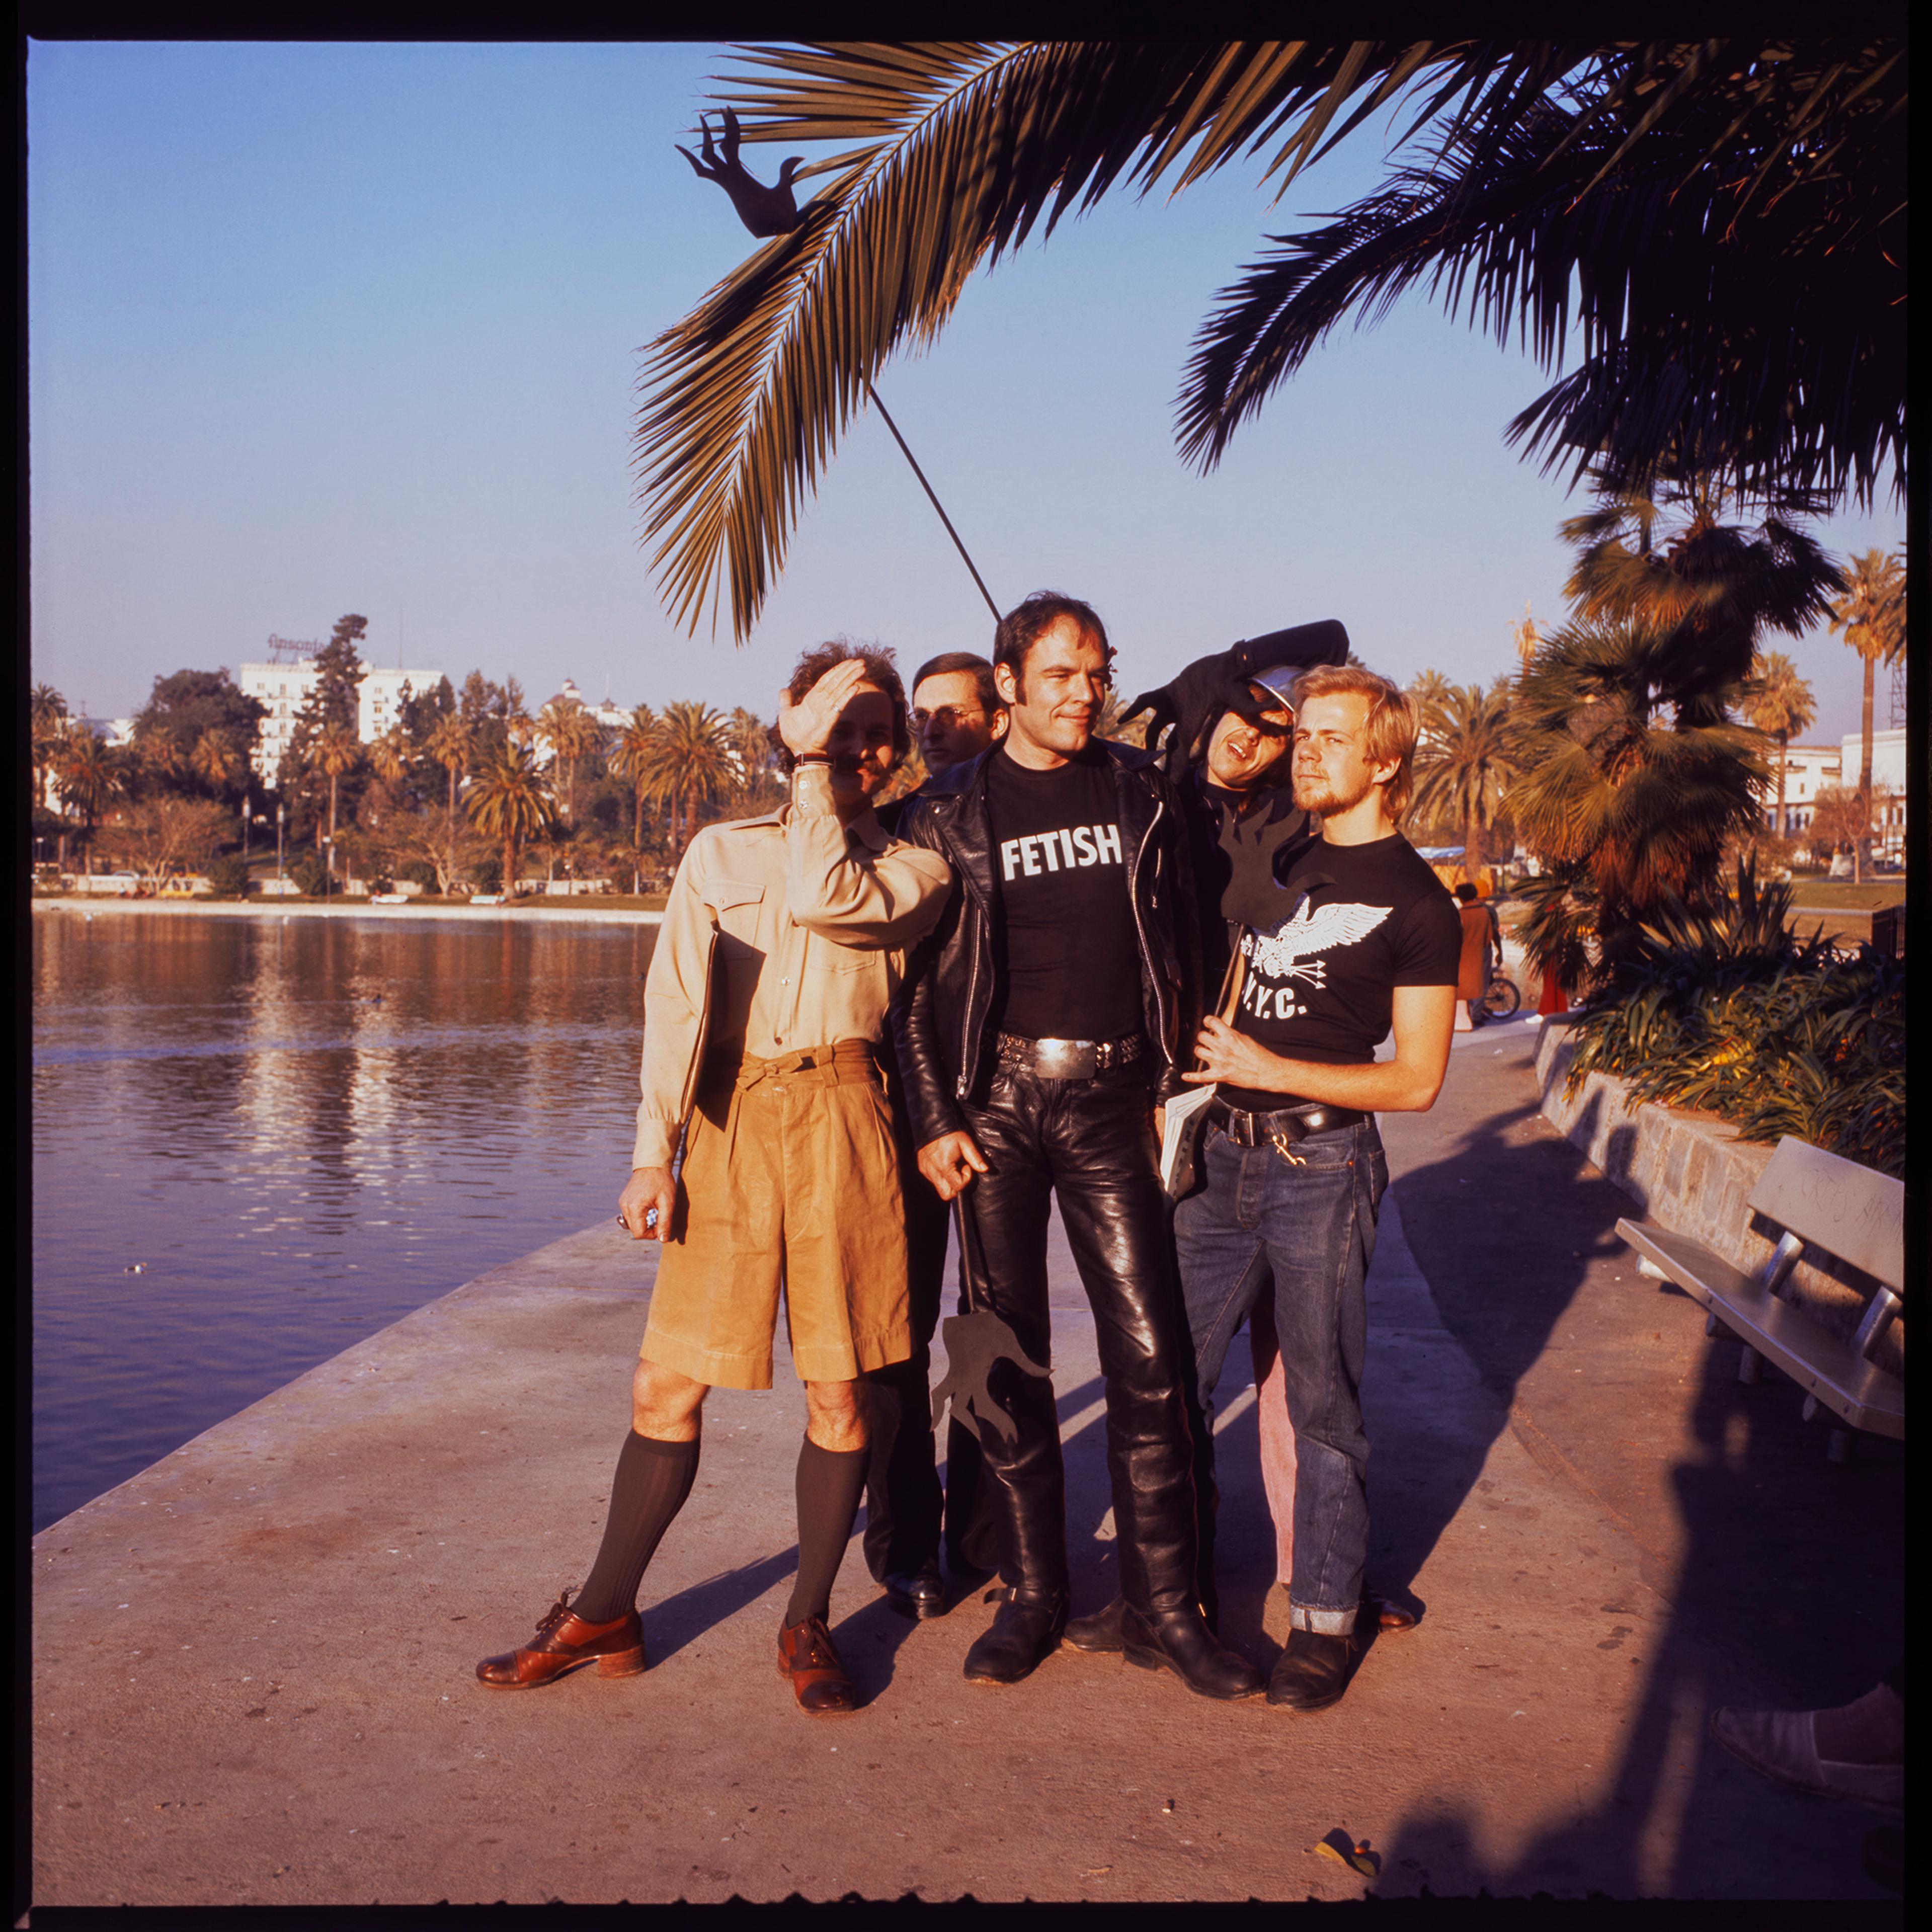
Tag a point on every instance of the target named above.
point(1301, 1226)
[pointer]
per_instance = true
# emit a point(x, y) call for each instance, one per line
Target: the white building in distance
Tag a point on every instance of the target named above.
point(283, 685)
point(1811, 769)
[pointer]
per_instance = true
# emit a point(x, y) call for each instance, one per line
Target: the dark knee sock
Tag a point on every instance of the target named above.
point(653, 1480)
point(829, 1481)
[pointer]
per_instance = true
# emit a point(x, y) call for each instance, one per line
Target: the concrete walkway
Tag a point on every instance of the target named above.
point(252, 1663)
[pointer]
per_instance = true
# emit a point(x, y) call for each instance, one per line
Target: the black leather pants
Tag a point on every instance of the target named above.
point(1091, 1143)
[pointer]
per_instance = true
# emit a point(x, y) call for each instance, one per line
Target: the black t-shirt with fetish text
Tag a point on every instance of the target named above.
point(1067, 958)
point(1357, 922)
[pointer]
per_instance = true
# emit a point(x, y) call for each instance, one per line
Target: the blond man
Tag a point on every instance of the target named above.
point(784, 940)
point(1294, 1172)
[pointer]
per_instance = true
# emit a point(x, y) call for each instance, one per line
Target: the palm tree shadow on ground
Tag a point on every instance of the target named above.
point(1769, 1576)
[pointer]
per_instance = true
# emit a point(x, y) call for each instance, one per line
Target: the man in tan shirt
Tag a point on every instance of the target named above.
point(784, 940)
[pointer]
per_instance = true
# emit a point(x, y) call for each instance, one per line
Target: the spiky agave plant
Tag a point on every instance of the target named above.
point(1724, 1009)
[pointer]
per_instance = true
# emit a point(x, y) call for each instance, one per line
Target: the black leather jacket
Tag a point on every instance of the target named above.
point(940, 1019)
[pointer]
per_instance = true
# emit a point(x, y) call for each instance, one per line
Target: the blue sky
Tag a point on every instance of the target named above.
point(318, 328)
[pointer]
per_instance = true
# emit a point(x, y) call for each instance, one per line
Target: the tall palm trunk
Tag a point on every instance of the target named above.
point(1784, 743)
point(509, 867)
point(1864, 769)
point(1472, 848)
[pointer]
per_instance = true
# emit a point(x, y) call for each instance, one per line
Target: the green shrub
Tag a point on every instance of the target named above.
point(418, 872)
point(487, 874)
point(228, 877)
point(310, 876)
point(1731, 1012)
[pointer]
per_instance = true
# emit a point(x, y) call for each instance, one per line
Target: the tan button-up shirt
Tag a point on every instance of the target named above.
point(786, 932)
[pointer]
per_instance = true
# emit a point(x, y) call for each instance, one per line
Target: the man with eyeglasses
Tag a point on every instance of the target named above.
point(957, 713)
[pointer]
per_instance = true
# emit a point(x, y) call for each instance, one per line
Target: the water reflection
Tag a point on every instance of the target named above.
point(298, 1133)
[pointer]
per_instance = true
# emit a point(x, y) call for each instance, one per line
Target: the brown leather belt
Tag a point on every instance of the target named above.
point(1068, 1059)
point(1289, 1123)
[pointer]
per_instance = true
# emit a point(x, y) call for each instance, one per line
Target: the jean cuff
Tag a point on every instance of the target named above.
point(1324, 1623)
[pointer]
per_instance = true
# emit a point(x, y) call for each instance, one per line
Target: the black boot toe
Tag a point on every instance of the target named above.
point(1179, 1640)
point(1027, 1630)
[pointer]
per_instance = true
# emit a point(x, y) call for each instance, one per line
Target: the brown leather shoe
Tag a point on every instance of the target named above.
point(565, 1642)
point(808, 1656)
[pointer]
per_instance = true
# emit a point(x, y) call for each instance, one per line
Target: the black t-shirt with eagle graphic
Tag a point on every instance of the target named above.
point(1357, 922)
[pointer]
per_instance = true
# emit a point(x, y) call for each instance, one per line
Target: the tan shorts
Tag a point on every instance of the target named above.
point(791, 1180)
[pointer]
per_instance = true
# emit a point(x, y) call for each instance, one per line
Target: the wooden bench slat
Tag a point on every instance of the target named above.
point(1822, 1365)
point(1853, 1212)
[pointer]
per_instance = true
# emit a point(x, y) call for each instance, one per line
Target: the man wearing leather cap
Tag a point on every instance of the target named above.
point(1228, 752)
point(1040, 1032)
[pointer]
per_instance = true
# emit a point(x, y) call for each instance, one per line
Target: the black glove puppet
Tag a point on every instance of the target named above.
point(1193, 700)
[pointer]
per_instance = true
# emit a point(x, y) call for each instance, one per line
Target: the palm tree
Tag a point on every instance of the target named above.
point(1872, 616)
point(570, 731)
point(389, 755)
point(511, 800)
point(161, 762)
point(1631, 782)
point(633, 760)
point(450, 745)
point(760, 785)
point(1665, 555)
point(691, 762)
point(1466, 761)
point(46, 712)
point(1696, 212)
point(89, 777)
point(1779, 705)
point(336, 752)
point(1428, 691)
point(215, 759)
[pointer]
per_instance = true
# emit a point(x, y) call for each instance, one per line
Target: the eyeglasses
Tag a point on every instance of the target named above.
point(947, 717)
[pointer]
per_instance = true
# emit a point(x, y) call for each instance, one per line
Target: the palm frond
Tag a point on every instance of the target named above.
point(964, 148)
point(1773, 348)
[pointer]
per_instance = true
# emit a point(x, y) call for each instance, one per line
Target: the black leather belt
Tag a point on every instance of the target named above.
point(1068, 1059)
point(1290, 1124)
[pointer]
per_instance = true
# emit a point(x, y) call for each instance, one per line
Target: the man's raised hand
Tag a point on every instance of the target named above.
point(806, 726)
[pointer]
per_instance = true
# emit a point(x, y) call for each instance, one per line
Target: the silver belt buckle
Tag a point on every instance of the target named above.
point(1065, 1059)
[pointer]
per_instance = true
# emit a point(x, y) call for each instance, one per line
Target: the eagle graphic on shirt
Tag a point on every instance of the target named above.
point(1288, 952)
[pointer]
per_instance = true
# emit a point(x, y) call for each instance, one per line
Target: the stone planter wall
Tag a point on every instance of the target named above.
point(1690, 1173)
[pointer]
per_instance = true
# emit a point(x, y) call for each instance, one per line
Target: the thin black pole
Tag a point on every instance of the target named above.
point(936, 504)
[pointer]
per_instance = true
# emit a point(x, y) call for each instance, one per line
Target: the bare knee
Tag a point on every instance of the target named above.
point(664, 1404)
point(834, 1415)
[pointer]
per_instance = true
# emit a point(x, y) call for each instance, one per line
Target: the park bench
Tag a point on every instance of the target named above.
point(1839, 1207)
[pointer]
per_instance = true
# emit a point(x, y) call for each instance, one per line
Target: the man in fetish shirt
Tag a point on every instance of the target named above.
point(1039, 1034)
point(1367, 939)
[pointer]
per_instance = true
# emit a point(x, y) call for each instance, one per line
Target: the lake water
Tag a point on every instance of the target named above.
point(257, 1142)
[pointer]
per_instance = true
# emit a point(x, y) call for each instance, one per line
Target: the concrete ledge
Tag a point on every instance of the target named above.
point(1691, 1173)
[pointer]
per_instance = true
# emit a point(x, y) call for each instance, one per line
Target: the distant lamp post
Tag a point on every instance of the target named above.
point(281, 820)
point(328, 874)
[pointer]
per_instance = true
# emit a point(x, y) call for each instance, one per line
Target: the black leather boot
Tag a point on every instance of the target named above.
point(1313, 1671)
point(1179, 1640)
point(1027, 1629)
point(1099, 1634)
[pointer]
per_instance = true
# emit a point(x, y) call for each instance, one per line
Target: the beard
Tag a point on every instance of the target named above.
point(1315, 796)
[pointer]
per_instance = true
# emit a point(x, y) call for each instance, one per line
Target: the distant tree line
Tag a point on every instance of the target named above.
point(453, 795)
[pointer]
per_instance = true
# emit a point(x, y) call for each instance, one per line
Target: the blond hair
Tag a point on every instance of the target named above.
point(1388, 732)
